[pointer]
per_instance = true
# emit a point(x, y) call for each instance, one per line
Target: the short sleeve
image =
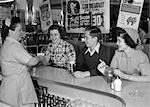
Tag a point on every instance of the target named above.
point(20, 54)
point(144, 66)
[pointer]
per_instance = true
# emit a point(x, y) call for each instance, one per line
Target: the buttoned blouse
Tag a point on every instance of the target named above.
point(138, 62)
point(60, 54)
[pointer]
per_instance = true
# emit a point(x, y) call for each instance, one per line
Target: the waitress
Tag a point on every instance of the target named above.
point(17, 88)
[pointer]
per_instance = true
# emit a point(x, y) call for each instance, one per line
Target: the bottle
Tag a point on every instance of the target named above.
point(117, 84)
point(109, 74)
point(112, 84)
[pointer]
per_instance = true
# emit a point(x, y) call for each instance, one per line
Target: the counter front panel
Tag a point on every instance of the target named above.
point(61, 83)
point(93, 90)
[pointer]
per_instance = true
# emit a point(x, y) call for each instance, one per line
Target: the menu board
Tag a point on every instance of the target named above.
point(81, 13)
point(130, 13)
point(45, 15)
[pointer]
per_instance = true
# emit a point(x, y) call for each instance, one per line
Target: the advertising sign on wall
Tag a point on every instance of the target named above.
point(57, 16)
point(81, 13)
point(45, 15)
point(4, 13)
point(130, 13)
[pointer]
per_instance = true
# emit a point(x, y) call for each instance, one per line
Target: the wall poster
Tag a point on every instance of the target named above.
point(130, 13)
point(81, 13)
point(45, 15)
point(57, 16)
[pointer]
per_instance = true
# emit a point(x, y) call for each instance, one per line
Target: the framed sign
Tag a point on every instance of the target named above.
point(57, 16)
point(130, 13)
point(45, 15)
point(81, 13)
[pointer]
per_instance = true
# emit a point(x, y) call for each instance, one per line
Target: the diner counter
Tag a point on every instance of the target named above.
point(92, 89)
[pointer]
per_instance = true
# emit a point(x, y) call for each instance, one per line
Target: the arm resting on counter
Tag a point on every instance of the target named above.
point(132, 77)
point(138, 78)
point(81, 74)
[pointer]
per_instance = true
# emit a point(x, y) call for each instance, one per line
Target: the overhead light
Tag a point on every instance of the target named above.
point(5, 1)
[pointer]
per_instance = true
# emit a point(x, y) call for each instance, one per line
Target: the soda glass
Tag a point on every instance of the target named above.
point(109, 76)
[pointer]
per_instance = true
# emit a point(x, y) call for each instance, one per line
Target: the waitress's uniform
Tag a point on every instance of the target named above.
point(17, 88)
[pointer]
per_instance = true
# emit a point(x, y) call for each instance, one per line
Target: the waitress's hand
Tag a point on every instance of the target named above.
point(80, 74)
point(102, 67)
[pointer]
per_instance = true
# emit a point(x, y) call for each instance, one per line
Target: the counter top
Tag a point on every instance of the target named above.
point(133, 94)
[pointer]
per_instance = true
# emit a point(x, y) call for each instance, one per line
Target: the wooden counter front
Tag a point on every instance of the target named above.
point(92, 89)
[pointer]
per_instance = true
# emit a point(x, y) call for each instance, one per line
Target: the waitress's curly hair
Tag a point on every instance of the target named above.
point(60, 29)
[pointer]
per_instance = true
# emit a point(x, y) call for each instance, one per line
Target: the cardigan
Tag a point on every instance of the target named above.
point(85, 62)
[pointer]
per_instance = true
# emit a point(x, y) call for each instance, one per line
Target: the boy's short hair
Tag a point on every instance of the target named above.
point(94, 32)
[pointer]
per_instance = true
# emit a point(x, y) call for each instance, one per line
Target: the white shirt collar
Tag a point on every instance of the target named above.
point(96, 49)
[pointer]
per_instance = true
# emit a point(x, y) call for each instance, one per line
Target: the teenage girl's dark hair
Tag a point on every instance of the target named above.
point(94, 32)
point(128, 40)
point(57, 27)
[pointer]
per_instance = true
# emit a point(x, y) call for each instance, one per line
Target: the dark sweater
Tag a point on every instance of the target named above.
point(85, 62)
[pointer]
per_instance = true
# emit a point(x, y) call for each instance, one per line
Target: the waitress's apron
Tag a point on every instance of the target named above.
point(18, 86)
